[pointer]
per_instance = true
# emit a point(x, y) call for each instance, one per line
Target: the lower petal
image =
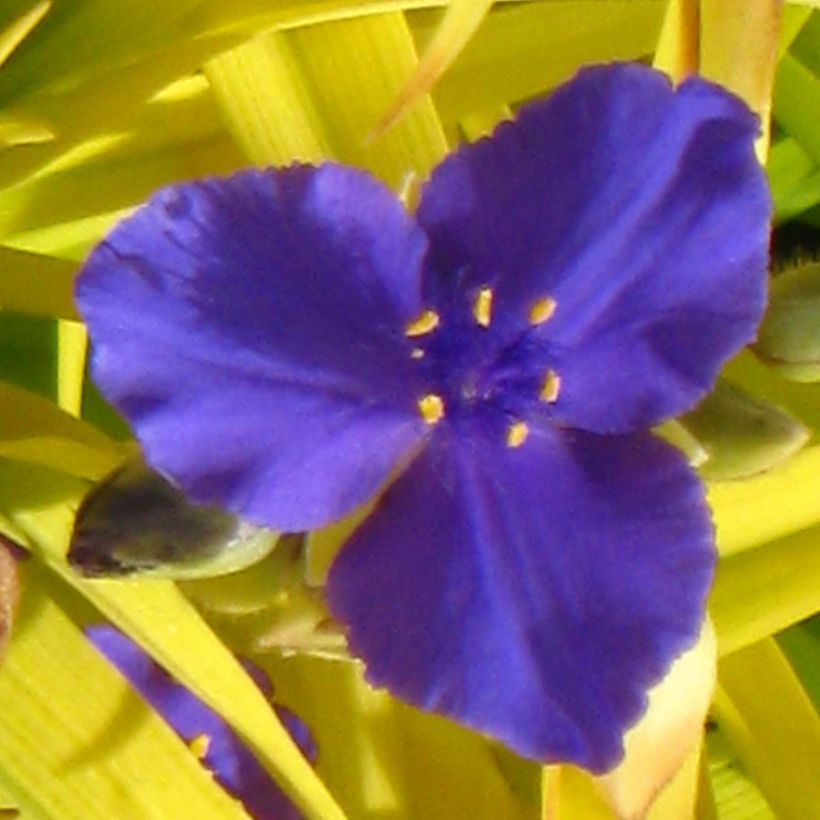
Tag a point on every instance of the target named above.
point(532, 593)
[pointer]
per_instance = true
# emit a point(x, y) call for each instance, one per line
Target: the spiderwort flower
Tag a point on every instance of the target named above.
point(287, 342)
point(220, 749)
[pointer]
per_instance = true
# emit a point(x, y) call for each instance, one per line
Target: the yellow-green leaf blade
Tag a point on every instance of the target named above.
point(77, 743)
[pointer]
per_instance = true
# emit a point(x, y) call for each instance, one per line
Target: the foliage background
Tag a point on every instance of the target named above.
point(101, 103)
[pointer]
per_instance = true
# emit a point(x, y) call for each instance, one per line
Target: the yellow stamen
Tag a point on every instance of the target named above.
point(200, 745)
point(431, 408)
point(517, 434)
point(416, 353)
point(483, 307)
point(542, 310)
point(551, 387)
point(424, 324)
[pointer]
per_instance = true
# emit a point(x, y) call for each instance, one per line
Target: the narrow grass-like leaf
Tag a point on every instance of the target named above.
point(267, 102)
point(772, 505)
point(384, 759)
point(36, 284)
point(459, 23)
point(801, 643)
point(794, 179)
point(773, 727)
point(527, 49)
point(76, 742)
point(34, 430)
point(735, 795)
point(764, 590)
point(19, 29)
point(738, 48)
point(356, 68)
point(72, 349)
point(84, 39)
point(678, 51)
point(797, 103)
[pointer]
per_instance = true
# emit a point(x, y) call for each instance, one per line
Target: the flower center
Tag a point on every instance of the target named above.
point(469, 366)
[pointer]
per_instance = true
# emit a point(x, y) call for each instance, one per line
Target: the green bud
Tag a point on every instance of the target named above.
point(789, 337)
point(135, 522)
point(742, 434)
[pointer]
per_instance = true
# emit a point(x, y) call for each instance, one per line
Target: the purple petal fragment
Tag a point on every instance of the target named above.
point(532, 593)
point(232, 764)
point(251, 330)
point(641, 210)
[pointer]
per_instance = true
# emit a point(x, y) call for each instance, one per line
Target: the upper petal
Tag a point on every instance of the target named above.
point(641, 210)
point(533, 593)
point(251, 330)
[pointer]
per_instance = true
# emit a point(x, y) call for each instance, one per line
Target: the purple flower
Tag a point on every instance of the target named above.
point(286, 343)
point(233, 765)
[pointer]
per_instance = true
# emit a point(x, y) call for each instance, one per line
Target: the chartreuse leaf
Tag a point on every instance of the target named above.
point(348, 73)
point(806, 45)
point(678, 51)
point(76, 742)
point(15, 32)
point(529, 48)
point(85, 39)
point(738, 49)
point(36, 284)
point(40, 505)
point(354, 93)
point(460, 21)
point(734, 794)
point(794, 179)
point(72, 349)
point(794, 20)
point(267, 104)
point(772, 726)
point(73, 208)
point(797, 103)
point(801, 643)
point(761, 591)
point(771, 505)
point(34, 430)
point(384, 759)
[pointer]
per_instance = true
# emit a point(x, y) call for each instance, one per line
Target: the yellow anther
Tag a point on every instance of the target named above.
point(483, 307)
point(431, 408)
point(200, 746)
point(542, 310)
point(551, 387)
point(424, 324)
point(416, 353)
point(517, 434)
